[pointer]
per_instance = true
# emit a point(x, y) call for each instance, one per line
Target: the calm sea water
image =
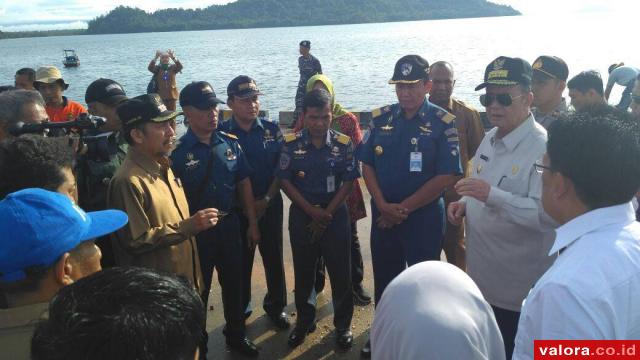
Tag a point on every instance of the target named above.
point(359, 58)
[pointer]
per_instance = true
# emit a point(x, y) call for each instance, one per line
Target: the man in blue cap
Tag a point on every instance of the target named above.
point(317, 168)
point(46, 242)
point(261, 141)
point(214, 171)
point(408, 159)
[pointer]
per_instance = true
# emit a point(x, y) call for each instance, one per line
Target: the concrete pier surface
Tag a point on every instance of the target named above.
point(273, 342)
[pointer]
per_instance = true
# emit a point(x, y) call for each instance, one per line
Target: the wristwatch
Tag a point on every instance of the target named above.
point(267, 198)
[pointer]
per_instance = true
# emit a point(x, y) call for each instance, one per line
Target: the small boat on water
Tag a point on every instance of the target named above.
point(70, 59)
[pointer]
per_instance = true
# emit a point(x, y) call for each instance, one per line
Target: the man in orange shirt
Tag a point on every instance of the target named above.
point(51, 85)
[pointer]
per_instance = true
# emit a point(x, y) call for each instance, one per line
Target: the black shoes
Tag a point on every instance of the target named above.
point(366, 350)
point(281, 321)
point(360, 296)
point(344, 338)
point(244, 346)
point(298, 334)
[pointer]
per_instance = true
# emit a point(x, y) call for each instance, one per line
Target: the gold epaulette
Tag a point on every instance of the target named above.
point(447, 117)
point(228, 135)
point(380, 111)
point(342, 139)
point(290, 137)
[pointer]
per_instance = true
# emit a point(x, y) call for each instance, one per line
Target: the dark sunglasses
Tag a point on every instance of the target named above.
point(635, 98)
point(502, 99)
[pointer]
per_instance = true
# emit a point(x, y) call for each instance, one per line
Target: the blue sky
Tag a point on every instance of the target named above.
point(16, 15)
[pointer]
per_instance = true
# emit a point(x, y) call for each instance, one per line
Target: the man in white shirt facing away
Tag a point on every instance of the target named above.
point(590, 173)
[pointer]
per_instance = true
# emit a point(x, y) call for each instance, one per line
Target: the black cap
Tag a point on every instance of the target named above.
point(243, 86)
point(506, 71)
point(200, 95)
point(144, 108)
point(550, 67)
point(105, 91)
point(305, 43)
point(410, 69)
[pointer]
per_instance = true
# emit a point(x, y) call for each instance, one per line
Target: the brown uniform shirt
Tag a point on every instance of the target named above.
point(16, 329)
point(470, 130)
point(157, 235)
point(167, 88)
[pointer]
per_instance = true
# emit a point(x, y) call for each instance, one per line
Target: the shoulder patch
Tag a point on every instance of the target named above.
point(380, 111)
point(290, 137)
point(447, 117)
point(229, 135)
point(342, 139)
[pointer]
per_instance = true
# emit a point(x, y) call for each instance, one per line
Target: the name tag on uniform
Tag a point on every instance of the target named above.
point(331, 184)
point(415, 162)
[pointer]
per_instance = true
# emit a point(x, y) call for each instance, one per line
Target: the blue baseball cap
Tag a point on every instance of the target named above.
point(38, 226)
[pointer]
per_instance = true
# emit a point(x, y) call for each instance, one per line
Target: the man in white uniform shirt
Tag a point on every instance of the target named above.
point(590, 173)
point(508, 234)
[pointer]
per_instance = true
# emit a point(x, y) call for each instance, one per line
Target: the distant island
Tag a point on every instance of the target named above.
point(40, 33)
point(283, 13)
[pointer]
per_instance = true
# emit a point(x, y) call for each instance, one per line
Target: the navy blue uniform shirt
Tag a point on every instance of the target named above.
point(388, 146)
point(261, 146)
point(318, 173)
point(189, 162)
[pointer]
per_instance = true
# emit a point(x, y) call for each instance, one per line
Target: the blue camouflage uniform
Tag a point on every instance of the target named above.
point(406, 154)
point(318, 174)
point(261, 146)
point(210, 173)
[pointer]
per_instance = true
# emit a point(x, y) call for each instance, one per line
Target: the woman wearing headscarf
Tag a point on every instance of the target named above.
point(433, 310)
point(348, 124)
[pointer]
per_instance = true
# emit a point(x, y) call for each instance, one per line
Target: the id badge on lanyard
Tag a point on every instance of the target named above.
point(415, 158)
point(331, 179)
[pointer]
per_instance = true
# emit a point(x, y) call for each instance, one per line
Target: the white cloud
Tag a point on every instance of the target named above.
point(17, 15)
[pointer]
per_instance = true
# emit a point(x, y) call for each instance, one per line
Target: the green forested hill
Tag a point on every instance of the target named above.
point(271, 13)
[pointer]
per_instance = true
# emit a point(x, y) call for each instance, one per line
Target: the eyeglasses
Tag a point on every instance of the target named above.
point(502, 99)
point(635, 98)
point(540, 168)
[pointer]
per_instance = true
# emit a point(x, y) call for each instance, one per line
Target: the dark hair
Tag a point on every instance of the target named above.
point(317, 98)
point(614, 66)
point(12, 105)
point(126, 131)
point(33, 161)
point(122, 314)
point(35, 274)
point(31, 74)
point(598, 150)
point(586, 81)
point(443, 64)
